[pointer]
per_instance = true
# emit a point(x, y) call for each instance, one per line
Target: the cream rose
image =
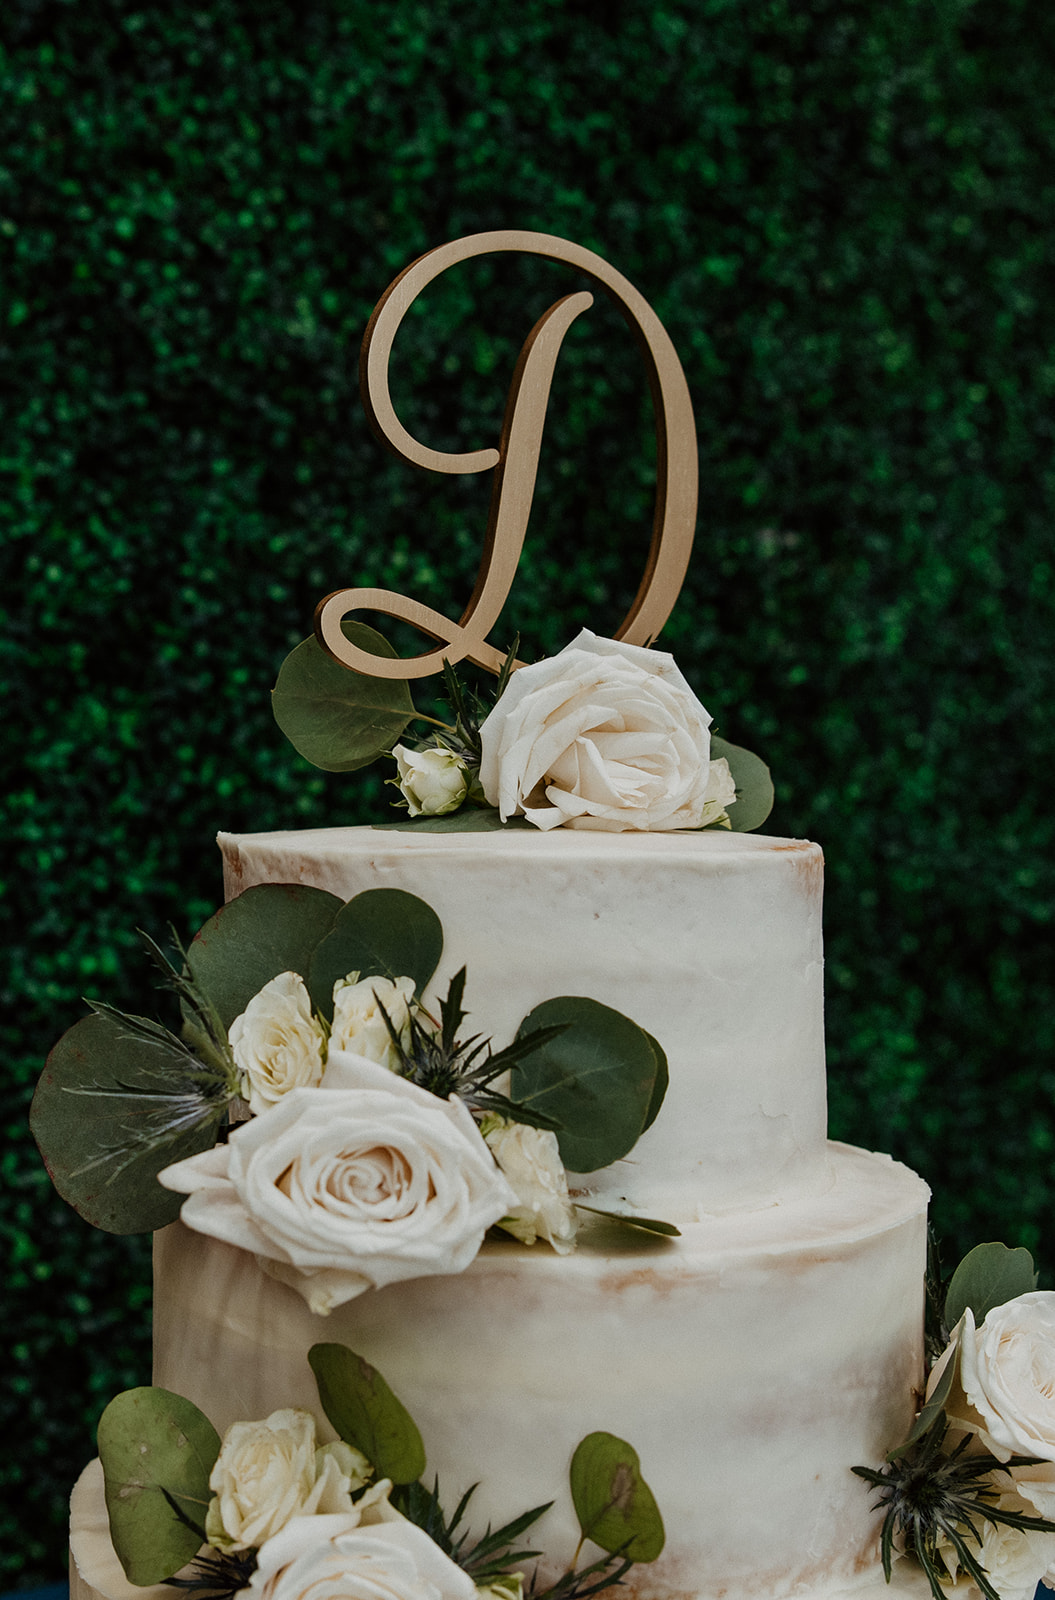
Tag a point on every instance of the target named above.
point(432, 782)
point(269, 1472)
point(1006, 1390)
point(371, 1554)
point(364, 1181)
point(529, 1158)
point(602, 735)
point(358, 1023)
point(276, 1043)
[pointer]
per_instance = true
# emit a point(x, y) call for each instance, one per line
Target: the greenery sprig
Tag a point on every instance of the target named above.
point(437, 1060)
point(155, 1536)
point(930, 1495)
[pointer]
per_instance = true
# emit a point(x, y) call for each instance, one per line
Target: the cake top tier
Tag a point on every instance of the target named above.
point(711, 942)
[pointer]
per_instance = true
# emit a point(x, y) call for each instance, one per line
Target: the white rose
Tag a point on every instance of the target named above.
point(721, 794)
point(358, 1023)
point(269, 1472)
point(602, 735)
point(276, 1042)
point(1006, 1391)
point(529, 1158)
point(432, 782)
point(1014, 1559)
point(371, 1554)
point(364, 1181)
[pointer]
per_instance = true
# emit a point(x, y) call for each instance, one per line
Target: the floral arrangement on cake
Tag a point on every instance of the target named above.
point(603, 735)
point(969, 1496)
point(314, 1112)
point(270, 1513)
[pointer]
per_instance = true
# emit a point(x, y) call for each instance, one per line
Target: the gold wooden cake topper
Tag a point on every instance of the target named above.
point(515, 462)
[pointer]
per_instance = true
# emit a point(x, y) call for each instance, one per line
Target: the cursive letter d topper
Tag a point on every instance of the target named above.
point(515, 462)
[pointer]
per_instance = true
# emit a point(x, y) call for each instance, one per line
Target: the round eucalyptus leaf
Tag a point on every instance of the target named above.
point(150, 1442)
point(335, 718)
point(659, 1088)
point(271, 928)
point(104, 1092)
point(596, 1079)
point(988, 1276)
point(754, 786)
point(384, 933)
point(614, 1505)
point(366, 1414)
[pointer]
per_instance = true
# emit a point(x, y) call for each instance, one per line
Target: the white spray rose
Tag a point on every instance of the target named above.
point(432, 782)
point(358, 1023)
point(371, 1554)
point(530, 1159)
point(602, 735)
point(276, 1043)
point(364, 1181)
point(1006, 1389)
point(269, 1472)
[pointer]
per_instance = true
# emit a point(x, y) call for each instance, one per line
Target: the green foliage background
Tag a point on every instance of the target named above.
point(844, 214)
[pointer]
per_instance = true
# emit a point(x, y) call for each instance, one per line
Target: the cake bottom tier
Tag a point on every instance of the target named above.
point(751, 1363)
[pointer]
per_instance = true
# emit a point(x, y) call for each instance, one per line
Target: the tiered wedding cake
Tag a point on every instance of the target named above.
point(753, 1361)
point(741, 1323)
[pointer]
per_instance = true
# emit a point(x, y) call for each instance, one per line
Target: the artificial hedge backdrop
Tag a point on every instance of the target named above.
point(844, 214)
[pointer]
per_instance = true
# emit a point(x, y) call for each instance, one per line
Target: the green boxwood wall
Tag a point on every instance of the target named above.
point(844, 213)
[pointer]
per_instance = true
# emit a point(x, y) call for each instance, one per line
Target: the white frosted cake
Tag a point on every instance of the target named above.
point(754, 1360)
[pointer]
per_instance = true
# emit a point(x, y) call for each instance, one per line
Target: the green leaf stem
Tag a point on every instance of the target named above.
point(470, 819)
point(384, 933)
point(988, 1276)
point(157, 1452)
point(597, 1079)
point(366, 1414)
point(335, 718)
point(615, 1506)
point(646, 1224)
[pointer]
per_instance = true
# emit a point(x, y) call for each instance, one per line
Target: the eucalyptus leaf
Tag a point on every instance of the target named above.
point(382, 933)
point(597, 1079)
point(268, 929)
point(335, 718)
point(151, 1441)
point(614, 1504)
point(659, 1088)
point(470, 819)
point(646, 1224)
point(366, 1414)
point(934, 1407)
point(111, 1088)
point(754, 786)
point(988, 1276)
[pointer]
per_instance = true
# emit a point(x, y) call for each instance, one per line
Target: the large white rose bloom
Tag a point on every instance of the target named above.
point(530, 1159)
point(364, 1181)
point(602, 735)
point(1006, 1390)
point(276, 1043)
point(358, 1022)
point(269, 1472)
point(371, 1554)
